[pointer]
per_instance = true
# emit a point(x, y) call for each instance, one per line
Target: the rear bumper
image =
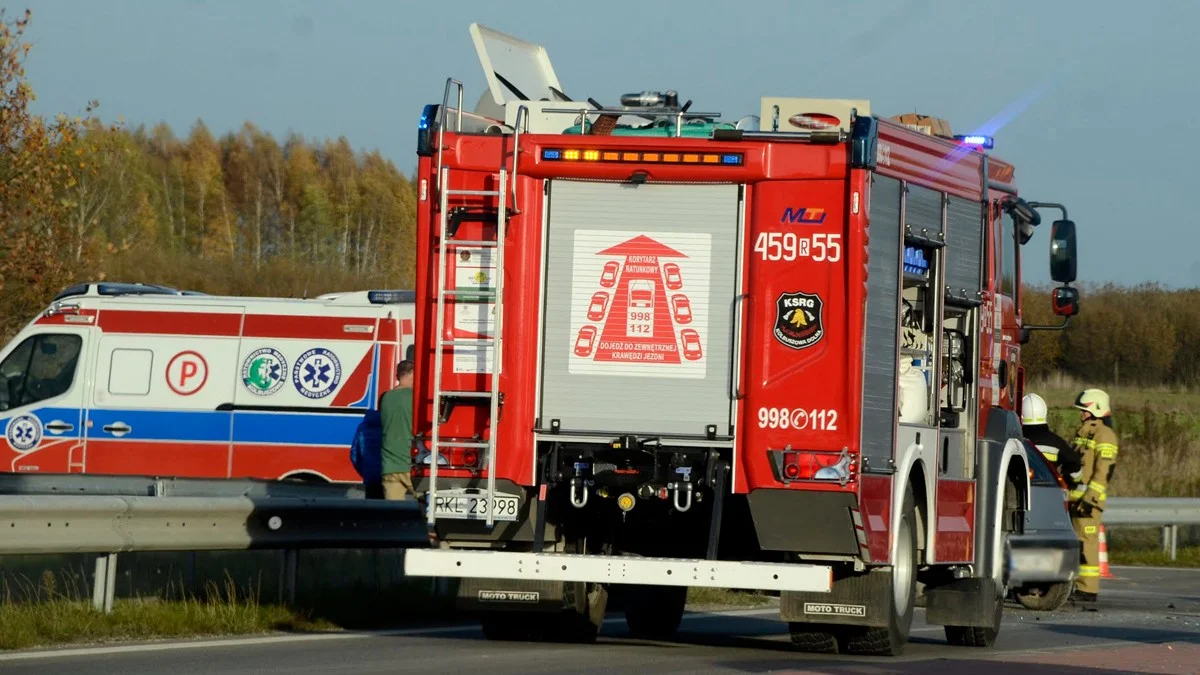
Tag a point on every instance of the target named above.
point(1042, 558)
point(617, 570)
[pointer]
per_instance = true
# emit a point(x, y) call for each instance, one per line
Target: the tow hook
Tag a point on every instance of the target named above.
point(577, 485)
point(680, 488)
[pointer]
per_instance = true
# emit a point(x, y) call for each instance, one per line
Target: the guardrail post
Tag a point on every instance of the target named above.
point(289, 570)
point(1170, 540)
point(104, 586)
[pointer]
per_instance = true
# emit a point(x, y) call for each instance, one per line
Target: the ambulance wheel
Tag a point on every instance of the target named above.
point(655, 612)
point(891, 641)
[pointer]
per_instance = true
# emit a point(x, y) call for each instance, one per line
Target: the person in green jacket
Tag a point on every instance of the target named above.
point(396, 413)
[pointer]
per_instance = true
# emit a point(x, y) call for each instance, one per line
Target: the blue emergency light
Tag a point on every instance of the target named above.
point(390, 297)
point(975, 139)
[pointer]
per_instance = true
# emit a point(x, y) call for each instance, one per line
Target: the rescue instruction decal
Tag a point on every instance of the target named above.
point(317, 373)
point(474, 269)
point(264, 371)
point(799, 319)
point(639, 304)
point(24, 432)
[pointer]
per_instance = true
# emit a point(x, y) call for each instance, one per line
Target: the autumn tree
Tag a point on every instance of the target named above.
point(37, 168)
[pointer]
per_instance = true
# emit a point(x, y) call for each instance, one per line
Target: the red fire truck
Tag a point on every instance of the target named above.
point(658, 350)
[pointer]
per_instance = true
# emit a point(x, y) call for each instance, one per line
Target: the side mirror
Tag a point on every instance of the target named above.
point(1062, 252)
point(1065, 301)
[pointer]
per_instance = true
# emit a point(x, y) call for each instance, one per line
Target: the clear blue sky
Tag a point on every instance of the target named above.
point(1095, 103)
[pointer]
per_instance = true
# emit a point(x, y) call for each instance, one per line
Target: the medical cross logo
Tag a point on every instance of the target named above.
point(317, 373)
point(264, 371)
point(24, 432)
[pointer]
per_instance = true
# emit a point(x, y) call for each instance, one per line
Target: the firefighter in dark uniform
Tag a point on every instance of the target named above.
point(1097, 445)
point(1035, 427)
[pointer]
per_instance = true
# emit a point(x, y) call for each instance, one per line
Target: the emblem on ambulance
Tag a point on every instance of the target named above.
point(798, 320)
point(317, 373)
point(24, 432)
point(264, 371)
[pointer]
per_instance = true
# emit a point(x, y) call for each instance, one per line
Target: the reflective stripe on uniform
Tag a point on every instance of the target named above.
point(1098, 487)
point(1107, 450)
point(1089, 570)
point(1052, 456)
point(1089, 529)
point(1077, 494)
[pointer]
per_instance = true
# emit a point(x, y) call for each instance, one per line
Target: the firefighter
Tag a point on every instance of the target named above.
point(1057, 451)
point(1097, 445)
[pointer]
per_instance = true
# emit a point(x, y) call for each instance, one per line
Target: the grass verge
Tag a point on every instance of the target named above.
point(1185, 557)
point(62, 619)
point(720, 597)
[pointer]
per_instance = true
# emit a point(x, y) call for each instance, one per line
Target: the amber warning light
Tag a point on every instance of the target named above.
point(653, 157)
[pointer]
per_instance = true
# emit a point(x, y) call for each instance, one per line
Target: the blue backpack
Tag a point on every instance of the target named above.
point(366, 449)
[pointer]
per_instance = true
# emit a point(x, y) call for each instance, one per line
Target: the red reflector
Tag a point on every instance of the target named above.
point(791, 471)
point(471, 458)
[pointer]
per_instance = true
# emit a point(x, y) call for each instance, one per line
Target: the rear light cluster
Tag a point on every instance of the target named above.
point(832, 466)
point(451, 458)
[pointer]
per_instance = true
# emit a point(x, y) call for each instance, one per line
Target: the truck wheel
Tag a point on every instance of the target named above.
point(892, 640)
point(654, 612)
point(813, 641)
point(985, 636)
point(1044, 597)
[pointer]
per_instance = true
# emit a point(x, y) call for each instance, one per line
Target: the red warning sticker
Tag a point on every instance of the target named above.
point(640, 303)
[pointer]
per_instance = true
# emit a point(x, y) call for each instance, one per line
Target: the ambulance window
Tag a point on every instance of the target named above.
point(40, 368)
point(129, 372)
point(1008, 246)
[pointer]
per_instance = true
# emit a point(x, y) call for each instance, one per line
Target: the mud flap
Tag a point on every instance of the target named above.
point(858, 600)
point(484, 595)
point(967, 602)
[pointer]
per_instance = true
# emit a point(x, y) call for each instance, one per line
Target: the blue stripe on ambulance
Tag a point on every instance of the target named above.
point(211, 426)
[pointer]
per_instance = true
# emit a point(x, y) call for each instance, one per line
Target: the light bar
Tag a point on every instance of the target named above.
point(972, 139)
point(390, 297)
point(641, 157)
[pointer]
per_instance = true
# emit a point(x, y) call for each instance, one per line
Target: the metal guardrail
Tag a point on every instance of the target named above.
point(1166, 512)
point(110, 524)
point(153, 486)
point(107, 515)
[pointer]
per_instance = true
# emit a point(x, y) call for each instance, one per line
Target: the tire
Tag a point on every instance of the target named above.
point(891, 641)
point(1044, 597)
point(655, 612)
point(985, 636)
point(812, 641)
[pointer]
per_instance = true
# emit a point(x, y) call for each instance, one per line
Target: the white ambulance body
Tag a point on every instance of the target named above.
point(144, 380)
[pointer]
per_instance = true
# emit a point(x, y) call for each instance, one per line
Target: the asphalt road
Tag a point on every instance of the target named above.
point(1149, 622)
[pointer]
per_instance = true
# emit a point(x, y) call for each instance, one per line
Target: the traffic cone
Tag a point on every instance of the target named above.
point(1104, 573)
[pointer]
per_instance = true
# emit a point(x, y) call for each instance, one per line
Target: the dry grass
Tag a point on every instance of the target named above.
point(1159, 432)
point(65, 615)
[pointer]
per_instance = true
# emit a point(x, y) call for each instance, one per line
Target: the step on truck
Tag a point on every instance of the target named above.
point(658, 350)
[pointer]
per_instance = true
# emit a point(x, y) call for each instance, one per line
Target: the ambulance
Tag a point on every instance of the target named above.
point(134, 379)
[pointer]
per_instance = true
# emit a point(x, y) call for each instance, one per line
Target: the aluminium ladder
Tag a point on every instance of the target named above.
point(490, 343)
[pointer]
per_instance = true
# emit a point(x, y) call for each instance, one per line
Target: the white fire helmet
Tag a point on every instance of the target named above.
point(1094, 401)
point(1033, 409)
